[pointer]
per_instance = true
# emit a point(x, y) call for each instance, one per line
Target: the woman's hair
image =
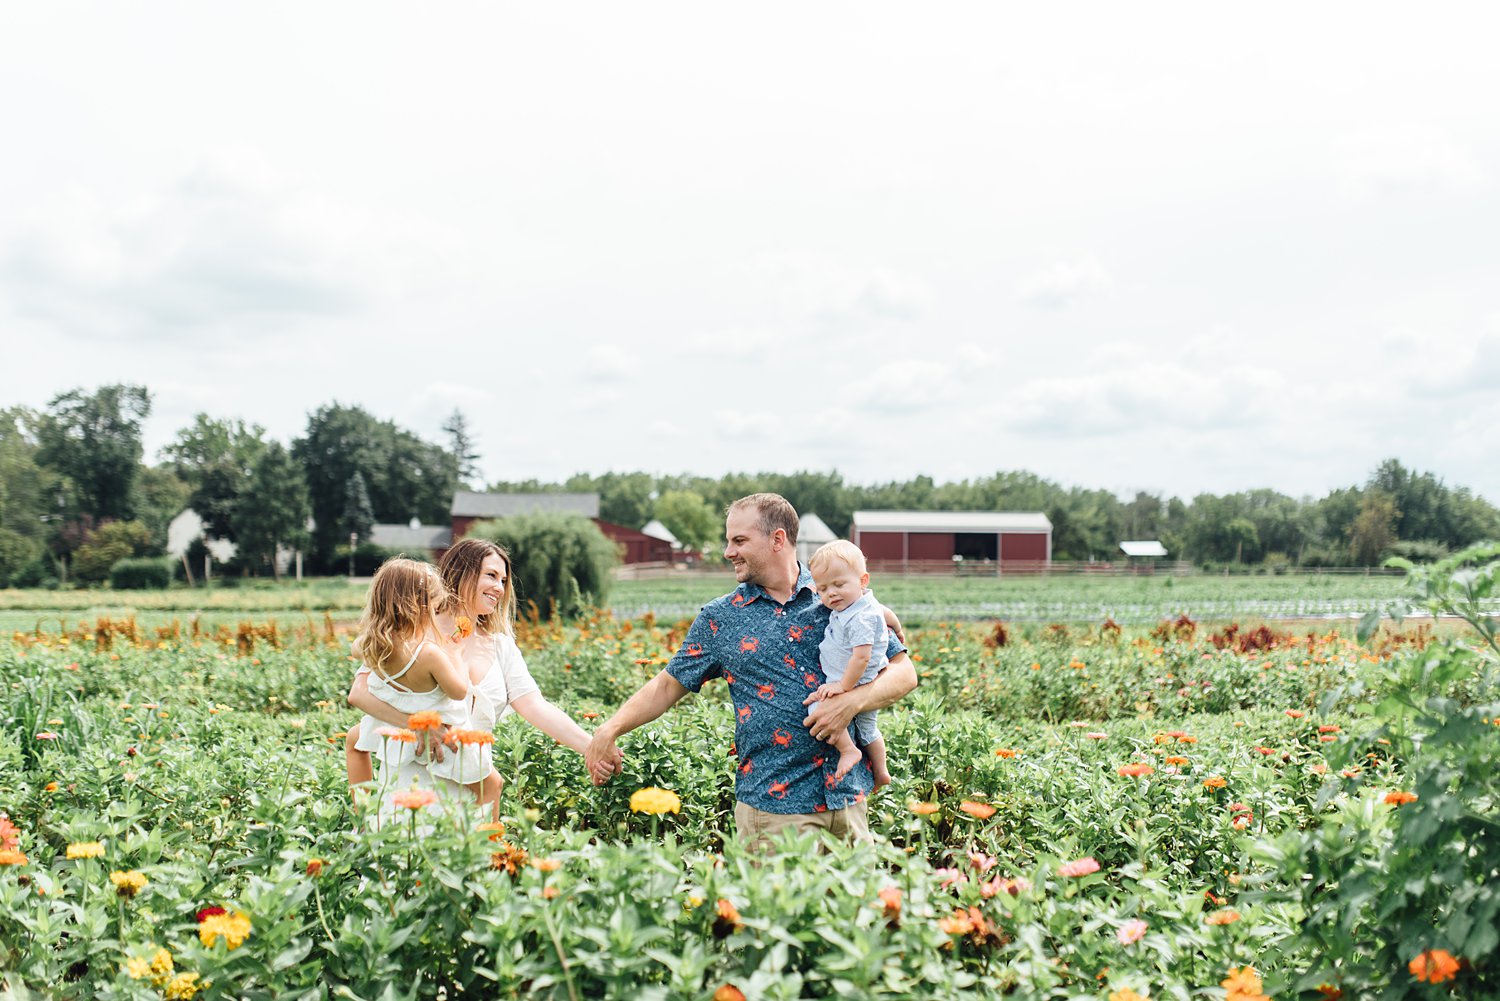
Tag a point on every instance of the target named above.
point(402, 598)
point(840, 549)
point(460, 567)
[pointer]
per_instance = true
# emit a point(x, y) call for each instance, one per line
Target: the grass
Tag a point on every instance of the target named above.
point(919, 600)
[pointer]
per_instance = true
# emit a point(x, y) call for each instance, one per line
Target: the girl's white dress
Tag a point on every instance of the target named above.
point(503, 678)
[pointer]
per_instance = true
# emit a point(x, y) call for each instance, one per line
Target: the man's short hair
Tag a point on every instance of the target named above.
point(774, 512)
point(840, 549)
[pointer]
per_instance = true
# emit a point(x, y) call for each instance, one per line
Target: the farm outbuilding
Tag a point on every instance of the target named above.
point(635, 547)
point(812, 533)
point(932, 540)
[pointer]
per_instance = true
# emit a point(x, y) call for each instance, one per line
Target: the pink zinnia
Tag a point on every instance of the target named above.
point(981, 861)
point(1080, 867)
point(1131, 931)
point(1096, 735)
point(950, 877)
point(414, 799)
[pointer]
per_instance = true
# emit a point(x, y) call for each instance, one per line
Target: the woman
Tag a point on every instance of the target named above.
point(480, 615)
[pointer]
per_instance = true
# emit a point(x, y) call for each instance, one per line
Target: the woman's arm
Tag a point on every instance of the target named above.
point(360, 698)
point(536, 710)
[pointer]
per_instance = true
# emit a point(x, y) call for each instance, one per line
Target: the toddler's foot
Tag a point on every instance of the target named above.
point(882, 777)
point(847, 760)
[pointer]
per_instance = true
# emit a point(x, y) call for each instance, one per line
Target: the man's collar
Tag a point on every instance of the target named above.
point(749, 591)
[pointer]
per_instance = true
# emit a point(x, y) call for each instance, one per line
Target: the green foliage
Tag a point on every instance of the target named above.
point(1393, 870)
point(140, 574)
point(404, 476)
point(357, 519)
point(561, 563)
point(94, 439)
point(273, 510)
point(692, 519)
point(18, 554)
point(107, 545)
point(216, 458)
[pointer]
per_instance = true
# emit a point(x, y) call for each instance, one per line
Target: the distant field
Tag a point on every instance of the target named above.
point(1134, 600)
point(919, 600)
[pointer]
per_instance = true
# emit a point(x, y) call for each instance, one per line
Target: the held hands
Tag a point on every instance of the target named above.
point(602, 758)
point(826, 691)
point(431, 742)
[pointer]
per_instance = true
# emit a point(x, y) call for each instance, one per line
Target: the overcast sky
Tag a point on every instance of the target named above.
point(1182, 248)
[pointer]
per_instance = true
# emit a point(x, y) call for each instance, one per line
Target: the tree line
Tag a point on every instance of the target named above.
point(77, 497)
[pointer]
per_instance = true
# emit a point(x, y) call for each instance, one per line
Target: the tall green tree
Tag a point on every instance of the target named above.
point(405, 477)
point(94, 439)
point(1374, 528)
point(358, 518)
point(461, 448)
point(28, 497)
point(691, 518)
point(214, 457)
point(273, 511)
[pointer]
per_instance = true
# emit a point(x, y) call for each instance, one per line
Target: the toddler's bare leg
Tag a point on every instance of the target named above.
point(875, 749)
point(488, 791)
point(849, 755)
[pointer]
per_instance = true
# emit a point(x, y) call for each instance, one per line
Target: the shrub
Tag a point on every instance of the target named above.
point(17, 555)
point(140, 574)
point(561, 562)
point(106, 546)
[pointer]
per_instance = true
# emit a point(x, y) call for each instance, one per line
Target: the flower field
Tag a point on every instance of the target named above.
point(1178, 810)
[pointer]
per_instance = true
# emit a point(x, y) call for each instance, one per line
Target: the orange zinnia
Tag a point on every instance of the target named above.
point(1222, 917)
point(890, 900)
point(1215, 782)
point(494, 829)
point(1006, 752)
point(729, 992)
point(1136, 770)
point(1399, 798)
point(982, 811)
point(1175, 760)
point(427, 720)
point(471, 738)
point(1434, 966)
point(923, 809)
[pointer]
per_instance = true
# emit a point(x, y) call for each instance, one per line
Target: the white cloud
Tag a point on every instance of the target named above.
point(821, 287)
point(1404, 158)
point(1063, 283)
point(230, 246)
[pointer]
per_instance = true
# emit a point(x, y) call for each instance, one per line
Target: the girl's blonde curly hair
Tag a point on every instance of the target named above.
point(403, 597)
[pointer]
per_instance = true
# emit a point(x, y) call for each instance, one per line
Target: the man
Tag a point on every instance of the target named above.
point(763, 640)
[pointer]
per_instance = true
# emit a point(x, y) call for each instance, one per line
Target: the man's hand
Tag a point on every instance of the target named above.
point(831, 716)
point(602, 758)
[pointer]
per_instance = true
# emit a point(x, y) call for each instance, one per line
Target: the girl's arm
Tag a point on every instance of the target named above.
point(536, 710)
point(451, 677)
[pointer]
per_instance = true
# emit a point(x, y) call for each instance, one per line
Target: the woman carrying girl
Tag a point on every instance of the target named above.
point(412, 669)
point(479, 618)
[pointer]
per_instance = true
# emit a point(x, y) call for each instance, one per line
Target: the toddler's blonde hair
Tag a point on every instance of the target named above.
point(840, 549)
point(402, 598)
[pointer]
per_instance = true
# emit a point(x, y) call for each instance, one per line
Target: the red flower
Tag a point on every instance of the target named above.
point(209, 912)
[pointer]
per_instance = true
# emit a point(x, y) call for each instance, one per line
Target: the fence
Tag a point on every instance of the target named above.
point(1025, 568)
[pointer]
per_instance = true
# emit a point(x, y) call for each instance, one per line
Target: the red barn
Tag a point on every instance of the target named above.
point(936, 540)
point(635, 547)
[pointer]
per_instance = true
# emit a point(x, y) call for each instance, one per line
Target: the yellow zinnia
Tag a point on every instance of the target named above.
point(233, 928)
point(128, 884)
point(184, 985)
point(85, 849)
point(655, 801)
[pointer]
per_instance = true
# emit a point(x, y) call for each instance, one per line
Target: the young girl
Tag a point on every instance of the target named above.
point(412, 670)
point(479, 614)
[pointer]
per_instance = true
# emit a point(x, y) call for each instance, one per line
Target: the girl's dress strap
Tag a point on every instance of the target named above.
point(415, 651)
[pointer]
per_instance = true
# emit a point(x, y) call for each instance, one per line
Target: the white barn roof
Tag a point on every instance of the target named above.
point(1143, 548)
point(812, 529)
point(657, 530)
point(951, 521)
point(468, 504)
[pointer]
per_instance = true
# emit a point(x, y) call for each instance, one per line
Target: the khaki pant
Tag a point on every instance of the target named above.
point(757, 829)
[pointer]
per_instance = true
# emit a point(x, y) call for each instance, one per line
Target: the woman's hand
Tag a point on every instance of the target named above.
point(430, 742)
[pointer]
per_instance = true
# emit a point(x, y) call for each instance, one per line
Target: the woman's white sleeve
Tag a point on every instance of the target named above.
point(518, 680)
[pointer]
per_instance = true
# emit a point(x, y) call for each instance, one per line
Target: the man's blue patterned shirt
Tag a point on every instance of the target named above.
point(768, 653)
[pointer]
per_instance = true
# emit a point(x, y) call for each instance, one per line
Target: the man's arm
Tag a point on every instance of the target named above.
point(833, 715)
point(654, 698)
